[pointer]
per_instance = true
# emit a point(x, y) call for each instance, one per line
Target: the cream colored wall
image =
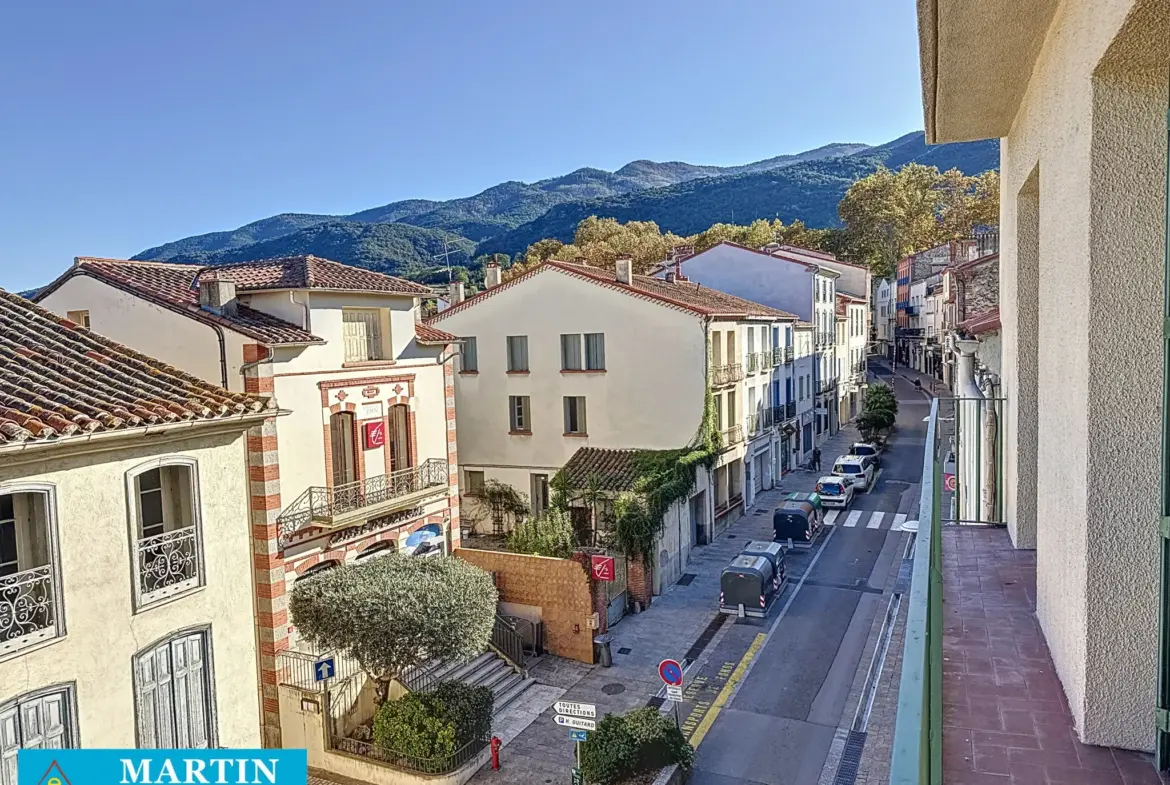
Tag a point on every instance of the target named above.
point(647, 398)
point(151, 329)
point(103, 632)
point(1089, 144)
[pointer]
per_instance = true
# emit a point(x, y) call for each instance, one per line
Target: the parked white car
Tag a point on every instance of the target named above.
point(861, 469)
point(835, 491)
point(867, 448)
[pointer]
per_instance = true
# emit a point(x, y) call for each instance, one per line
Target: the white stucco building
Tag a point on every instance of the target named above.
point(564, 356)
point(124, 548)
point(852, 342)
point(883, 313)
point(368, 454)
point(795, 280)
point(1082, 257)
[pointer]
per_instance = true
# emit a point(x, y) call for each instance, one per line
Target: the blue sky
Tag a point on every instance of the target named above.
point(128, 124)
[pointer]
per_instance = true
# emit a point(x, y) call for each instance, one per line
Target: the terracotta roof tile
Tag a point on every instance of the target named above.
point(173, 286)
point(312, 272)
point(685, 295)
point(425, 333)
point(615, 469)
point(61, 380)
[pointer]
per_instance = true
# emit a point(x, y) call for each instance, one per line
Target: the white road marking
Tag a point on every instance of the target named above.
point(875, 520)
point(831, 516)
point(899, 519)
point(853, 518)
point(876, 477)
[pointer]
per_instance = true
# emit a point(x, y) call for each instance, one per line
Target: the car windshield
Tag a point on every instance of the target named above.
point(862, 449)
point(847, 468)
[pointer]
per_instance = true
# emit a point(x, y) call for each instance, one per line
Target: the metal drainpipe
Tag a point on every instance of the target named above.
point(1162, 712)
point(249, 366)
point(223, 374)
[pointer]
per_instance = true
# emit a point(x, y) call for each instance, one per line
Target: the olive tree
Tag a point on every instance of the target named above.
point(398, 611)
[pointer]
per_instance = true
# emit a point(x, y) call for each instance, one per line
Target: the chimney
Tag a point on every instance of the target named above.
point(456, 295)
point(491, 275)
point(625, 270)
point(217, 295)
point(581, 260)
point(671, 276)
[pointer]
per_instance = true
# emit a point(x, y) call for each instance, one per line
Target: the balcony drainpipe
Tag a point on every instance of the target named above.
point(1162, 709)
point(969, 417)
point(266, 359)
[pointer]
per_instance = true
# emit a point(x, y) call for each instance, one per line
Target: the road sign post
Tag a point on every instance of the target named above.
point(578, 717)
point(324, 668)
point(580, 723)
point(671, 673)
point(575, 709)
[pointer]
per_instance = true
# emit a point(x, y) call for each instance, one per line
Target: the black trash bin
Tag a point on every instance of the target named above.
point(604, 655)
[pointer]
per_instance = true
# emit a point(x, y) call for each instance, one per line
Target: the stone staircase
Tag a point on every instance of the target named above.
point(487, 670)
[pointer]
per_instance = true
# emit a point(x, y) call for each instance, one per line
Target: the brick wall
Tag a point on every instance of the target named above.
point(559, 587)
point(639, 582)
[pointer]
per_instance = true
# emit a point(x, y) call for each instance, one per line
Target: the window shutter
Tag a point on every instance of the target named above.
point(568, 414)
point(470, 355)
point(190, 692)
point(571, 352)
point(362, 334)
point(595, 351)
point(9, 745)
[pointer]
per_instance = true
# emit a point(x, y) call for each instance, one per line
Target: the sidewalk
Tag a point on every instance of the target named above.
point(678, 624)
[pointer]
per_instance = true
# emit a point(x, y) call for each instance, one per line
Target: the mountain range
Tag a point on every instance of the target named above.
point(411, 237)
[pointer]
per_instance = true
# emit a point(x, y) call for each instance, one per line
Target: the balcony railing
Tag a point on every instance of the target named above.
point(358, 501)
point(168, 564)
point(733, 435)
point(825, 385)
point(722, 375)
point(917, 750)
point(790, 410)
point(753, 363)
point(28, 608)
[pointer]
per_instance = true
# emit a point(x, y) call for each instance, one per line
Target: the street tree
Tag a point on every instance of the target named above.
point(398, 611)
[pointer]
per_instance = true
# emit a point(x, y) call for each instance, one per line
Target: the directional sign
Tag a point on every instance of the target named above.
point(578, 735)
point(603, 568)
point(949, 482)
point(324, 669)
point(674, 693)
point(575, 709)
point(575, 722)
point(671, 672)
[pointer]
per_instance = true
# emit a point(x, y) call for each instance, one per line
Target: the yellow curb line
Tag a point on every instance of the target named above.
point(728, 688)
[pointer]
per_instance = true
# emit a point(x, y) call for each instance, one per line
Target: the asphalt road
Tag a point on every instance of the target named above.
point(777, 687)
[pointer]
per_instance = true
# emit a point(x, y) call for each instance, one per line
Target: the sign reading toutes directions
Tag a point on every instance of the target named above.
point(575, 715)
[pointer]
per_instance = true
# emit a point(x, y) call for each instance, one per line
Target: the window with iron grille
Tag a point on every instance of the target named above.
point(174, 693)
point(362, 334)
point(518, 412)
point(167, 548)
point(575, 414)
point(470, 355)
point(517, 352)
point(595, 351)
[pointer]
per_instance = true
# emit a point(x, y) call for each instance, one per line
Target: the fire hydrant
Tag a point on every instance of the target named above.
point(496, 744)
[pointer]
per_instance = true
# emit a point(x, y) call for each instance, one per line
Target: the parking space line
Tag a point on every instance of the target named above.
point(876, 477)
point(875, 520)
point(831, 517)
point(899, 519)
point(853, 518)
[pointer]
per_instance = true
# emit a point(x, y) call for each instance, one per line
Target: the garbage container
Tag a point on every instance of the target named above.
point(604, 655)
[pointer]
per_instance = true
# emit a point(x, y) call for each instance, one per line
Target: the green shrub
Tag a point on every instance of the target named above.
point(434, 724)
point(549, 535)
point(629, 744)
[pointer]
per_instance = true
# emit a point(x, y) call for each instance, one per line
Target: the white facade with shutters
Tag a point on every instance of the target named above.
point(103, 643)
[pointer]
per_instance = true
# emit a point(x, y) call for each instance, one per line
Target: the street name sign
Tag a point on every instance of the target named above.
point(580, 723)
point(575, 709)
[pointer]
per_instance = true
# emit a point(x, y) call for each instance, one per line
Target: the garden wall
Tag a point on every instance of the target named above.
point(559, 588)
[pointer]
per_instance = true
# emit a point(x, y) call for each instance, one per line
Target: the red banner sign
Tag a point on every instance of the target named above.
point(603, 568)
point(374, 434)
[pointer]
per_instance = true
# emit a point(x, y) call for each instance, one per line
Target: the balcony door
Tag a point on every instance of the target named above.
point(399, 438)
point(343, 448)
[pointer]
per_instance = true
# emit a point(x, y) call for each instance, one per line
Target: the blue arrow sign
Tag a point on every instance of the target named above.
point(578, 735)
point(324, 669)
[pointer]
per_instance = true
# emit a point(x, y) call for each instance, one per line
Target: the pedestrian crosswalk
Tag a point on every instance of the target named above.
point(869, 519)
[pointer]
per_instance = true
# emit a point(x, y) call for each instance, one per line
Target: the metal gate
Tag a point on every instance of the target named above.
point(971, 431)
point(615, 591)
point(758, 473)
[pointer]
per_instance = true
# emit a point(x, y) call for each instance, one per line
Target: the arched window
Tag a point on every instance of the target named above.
point(164, 503)
point(318, 568)
point(175, 692)
point(377, 550)
point(343, 448)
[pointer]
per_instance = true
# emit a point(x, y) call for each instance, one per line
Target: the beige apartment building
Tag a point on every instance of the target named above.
point(1077, 91)
point(124, 543)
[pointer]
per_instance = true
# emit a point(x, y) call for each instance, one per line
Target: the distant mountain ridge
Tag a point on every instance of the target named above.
point(405, 237)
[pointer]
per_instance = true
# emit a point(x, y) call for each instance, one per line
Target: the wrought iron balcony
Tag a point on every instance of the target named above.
point(733, 435)
point(790, 410)
point(722, 375)
point(356, 502)
point(167, 564)
point(825, 385)
point(28, 608)
point(753, 424)
point(753, 363)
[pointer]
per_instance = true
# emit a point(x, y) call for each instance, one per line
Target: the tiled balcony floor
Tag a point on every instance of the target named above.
point(1005, 718)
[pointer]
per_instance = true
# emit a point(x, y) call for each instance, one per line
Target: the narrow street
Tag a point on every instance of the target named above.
point(764, 699)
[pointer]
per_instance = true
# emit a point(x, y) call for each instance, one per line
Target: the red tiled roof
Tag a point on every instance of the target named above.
point(173, 286)
point(685, 295)
point(312, 272)
point(613, 469)
point(425, 333)
point(61, 380)
point(967, 266)
point(986, 322)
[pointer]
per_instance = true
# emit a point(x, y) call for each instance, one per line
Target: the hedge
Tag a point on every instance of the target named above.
point(625, 745)
point(434, 724)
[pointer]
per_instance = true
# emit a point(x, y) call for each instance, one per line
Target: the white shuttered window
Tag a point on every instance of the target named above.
point(362, 332)
point(174, 694)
